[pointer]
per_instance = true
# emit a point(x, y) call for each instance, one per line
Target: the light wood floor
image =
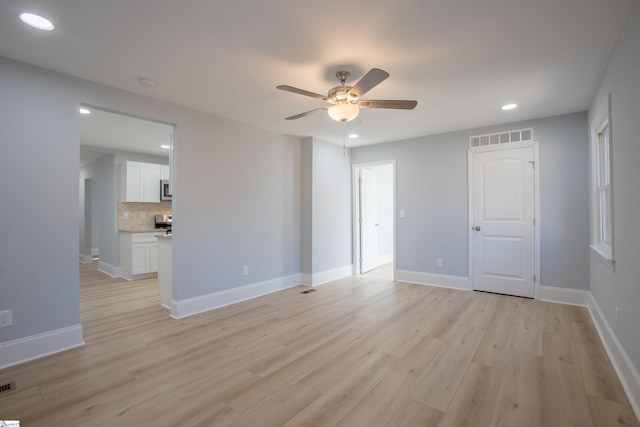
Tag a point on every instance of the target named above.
point(357, 352)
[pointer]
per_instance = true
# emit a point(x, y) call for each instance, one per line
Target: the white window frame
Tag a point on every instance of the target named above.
point(601, 183)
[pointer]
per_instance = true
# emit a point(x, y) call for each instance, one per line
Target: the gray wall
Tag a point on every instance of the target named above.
point(39, 224)
point(237, 197)
point(622, 288)
point(431, 187)
point(326, 205)
point(306, 209)
point(102, 206)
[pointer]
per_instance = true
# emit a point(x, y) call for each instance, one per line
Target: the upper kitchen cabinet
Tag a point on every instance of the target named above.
point(141, 182)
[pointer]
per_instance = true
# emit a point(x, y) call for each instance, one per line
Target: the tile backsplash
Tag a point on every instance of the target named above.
point(141, 216)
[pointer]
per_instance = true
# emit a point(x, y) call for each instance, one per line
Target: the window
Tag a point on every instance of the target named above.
point(602, 183)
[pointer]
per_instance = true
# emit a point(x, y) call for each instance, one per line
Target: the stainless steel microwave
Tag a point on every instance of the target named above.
point(165, 189)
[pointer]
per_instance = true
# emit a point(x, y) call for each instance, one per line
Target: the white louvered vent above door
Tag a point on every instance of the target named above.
point(520, 135)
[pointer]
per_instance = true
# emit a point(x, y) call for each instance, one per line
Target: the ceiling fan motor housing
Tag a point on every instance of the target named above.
point(340, 94)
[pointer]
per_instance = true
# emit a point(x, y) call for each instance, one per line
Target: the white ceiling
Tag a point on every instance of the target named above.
point(106, 131)
point(460, 59)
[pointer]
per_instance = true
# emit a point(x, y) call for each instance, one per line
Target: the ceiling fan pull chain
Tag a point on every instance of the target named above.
point(344, 139)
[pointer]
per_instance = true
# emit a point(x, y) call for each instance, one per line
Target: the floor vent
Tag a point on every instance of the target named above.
point(7, 387)
point(308, 291)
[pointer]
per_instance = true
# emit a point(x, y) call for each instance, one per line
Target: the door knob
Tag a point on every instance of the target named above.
point(477, 228)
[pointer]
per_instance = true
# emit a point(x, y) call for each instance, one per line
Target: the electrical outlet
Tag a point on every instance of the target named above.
point(617, 316)
point(245, 270)
point(439, 263)
point(402, 213)
point(6, 318)
point(143, 215)
point(125, 215)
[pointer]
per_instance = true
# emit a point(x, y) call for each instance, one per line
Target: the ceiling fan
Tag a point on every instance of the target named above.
point(346, 99)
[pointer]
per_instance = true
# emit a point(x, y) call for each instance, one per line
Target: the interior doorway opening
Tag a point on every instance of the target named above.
point(115, 202)
point(374, 222)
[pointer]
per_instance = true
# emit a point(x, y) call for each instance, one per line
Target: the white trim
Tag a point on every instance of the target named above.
point(40, 345)
point(564, 295)
point(536, 195)
point(355, 169)
point(131, 278)
point(200, 304)
point(609, 263)
point(86, 259)
point(627, 373)
point(430, 279)
point(109, 269)
point(601, 121)
point(328, 275)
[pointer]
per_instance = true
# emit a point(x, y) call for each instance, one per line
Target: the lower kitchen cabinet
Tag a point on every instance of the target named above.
point(139, 255)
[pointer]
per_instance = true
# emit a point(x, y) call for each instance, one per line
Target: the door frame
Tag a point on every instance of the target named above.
point(355, 197)
point(536, 202)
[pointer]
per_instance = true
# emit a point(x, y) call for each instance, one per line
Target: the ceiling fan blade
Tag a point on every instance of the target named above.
point(395, 104)
point(302, 92)
point(373, 78)
point(306, 113)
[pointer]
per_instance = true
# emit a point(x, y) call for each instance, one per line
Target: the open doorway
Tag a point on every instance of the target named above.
point(374, 216)
point(113, 146)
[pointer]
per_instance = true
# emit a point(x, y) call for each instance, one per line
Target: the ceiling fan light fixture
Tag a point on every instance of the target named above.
point(343, 112)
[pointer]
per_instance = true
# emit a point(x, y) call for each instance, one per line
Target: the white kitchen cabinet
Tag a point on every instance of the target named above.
point(140, 258)
point(141, 182)
point(139, 255)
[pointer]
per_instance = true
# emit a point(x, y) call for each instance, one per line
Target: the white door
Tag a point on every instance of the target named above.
point(368, 220)
point(503, 221)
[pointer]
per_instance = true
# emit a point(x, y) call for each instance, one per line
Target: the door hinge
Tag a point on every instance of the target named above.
point(534, 278)
point(534, 221)
point(533, 164)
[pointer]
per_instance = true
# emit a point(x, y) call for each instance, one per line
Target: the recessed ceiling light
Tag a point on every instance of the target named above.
point(145, 82)
point(508, 107)
point(354, 135)
point(84, 111)
point(166, 147)
point(36, 21)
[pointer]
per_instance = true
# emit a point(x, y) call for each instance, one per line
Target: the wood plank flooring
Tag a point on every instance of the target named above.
point(362, 351)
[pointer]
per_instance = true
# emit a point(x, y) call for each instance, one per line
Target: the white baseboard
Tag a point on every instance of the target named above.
point(627, 373)
point(133, 277)
point(564, 295)
point(109, 269)
point(36, 346)
point(86, 259)
point(327, 276)
point(440, 280)
point(191, 306)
